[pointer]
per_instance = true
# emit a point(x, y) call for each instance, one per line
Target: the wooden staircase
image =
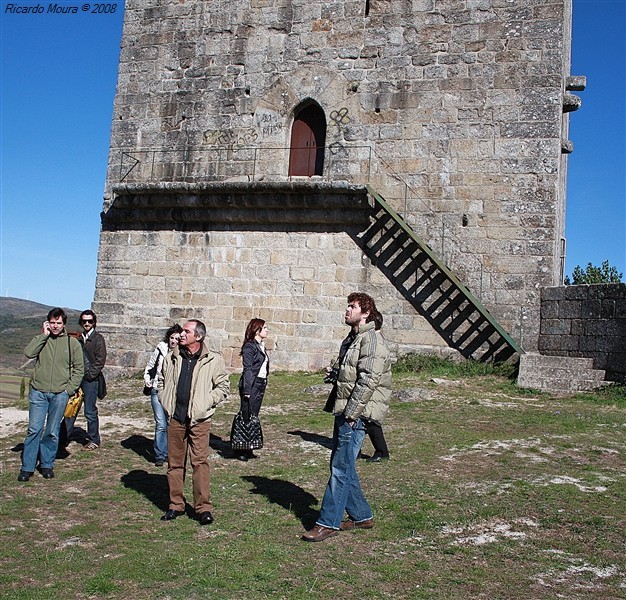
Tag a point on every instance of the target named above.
point(431, 288)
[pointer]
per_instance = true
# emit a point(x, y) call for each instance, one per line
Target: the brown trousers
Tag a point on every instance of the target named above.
point(181, 438)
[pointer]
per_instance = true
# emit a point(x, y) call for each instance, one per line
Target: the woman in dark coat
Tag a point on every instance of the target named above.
point(253, 380)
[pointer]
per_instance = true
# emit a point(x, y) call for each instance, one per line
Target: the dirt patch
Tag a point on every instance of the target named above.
point(12, 420)
point(490, 532)
point(15, 420)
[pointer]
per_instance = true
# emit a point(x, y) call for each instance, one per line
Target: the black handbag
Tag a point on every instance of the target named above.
point(246, 435)
point(102, 386)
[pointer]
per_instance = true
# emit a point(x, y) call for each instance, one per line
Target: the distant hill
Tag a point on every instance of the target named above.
point(20, 321)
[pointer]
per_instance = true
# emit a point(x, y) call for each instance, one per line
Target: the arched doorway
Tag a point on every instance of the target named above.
point(308, 137)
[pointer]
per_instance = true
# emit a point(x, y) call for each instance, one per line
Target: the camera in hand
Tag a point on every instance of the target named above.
point(331, 376)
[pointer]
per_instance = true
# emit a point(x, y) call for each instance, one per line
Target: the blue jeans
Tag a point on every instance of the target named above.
point(160, 427)
point(90, 389)
point(343, 492)
point(42, 405)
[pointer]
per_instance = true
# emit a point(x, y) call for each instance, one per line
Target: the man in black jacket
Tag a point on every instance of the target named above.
point(95, 355)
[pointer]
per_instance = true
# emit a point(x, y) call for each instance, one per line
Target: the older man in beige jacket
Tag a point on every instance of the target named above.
point(194, 383)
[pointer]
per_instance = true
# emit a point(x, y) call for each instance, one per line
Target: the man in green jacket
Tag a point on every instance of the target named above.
point(57, 375)
point(363, 390)
point(194, 383)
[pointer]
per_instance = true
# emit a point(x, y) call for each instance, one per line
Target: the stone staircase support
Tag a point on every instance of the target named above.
point(559, 374)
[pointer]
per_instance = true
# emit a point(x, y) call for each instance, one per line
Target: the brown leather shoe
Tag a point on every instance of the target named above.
point(319, 533)
point(350, 524)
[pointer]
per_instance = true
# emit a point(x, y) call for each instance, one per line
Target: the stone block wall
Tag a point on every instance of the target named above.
point(586, 321)
point(452, 111)
point(298, 282)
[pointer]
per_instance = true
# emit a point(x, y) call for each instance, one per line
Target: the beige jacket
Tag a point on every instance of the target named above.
point(209, 384)
point(364, 380)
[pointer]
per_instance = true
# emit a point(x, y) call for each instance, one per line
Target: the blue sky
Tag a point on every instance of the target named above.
point(58, 76)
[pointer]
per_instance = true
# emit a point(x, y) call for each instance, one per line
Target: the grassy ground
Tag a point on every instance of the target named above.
point(491, 492)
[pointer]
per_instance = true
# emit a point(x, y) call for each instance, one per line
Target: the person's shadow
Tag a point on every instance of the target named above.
point(286, 494)
point(62, 453)
point(221, 446)
point(151, 485)
point(322, 440)
point(141, 445)
point(144, 446)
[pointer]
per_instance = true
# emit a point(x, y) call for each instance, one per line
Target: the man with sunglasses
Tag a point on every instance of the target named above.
point(95, 355)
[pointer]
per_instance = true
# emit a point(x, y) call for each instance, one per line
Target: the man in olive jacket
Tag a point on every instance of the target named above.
point(363, 390)
point(57, 375)
point(194, 383)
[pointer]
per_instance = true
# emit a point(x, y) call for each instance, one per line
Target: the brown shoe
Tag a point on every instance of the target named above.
point(319, 533)
point(350, 524)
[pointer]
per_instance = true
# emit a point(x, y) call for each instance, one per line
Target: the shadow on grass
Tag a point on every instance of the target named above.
point(144, 446)
point(152, 486)
point(221, 446)
point(141, 445)
point(286, 494)
point(79, 435)
point(62, 453)
point(322, 440)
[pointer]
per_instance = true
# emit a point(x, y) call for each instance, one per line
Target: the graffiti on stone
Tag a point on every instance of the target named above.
point(336, 148)
point(340, 117)
point(269, 122)
point(233, 139)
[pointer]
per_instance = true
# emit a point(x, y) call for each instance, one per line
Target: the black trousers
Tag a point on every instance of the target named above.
point(252, 406)
point(375, 433)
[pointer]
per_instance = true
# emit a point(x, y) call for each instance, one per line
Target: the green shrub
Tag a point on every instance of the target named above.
point(435, 366)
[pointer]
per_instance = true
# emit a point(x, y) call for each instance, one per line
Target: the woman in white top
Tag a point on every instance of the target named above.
point(151, 376)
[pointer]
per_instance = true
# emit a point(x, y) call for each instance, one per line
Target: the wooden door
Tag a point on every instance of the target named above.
point(303, 149)
point(308, 136)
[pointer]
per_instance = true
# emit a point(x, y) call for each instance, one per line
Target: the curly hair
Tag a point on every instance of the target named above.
point(366, 302)
point(176, 328)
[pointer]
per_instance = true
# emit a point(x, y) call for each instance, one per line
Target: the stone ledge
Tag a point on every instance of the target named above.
point(185, 206)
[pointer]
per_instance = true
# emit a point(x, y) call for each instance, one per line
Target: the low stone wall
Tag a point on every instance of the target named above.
point(586, 321)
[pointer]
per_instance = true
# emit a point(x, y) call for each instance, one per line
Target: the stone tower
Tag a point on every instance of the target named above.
point(270, 156)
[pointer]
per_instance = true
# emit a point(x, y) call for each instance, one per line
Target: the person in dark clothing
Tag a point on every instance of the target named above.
point(95, 356)
point(253, 379)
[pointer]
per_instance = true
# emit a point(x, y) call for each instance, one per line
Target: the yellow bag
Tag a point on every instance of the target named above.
point(74, 404)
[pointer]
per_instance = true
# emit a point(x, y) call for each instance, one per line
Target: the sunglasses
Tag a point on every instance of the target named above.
point(86, 321)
